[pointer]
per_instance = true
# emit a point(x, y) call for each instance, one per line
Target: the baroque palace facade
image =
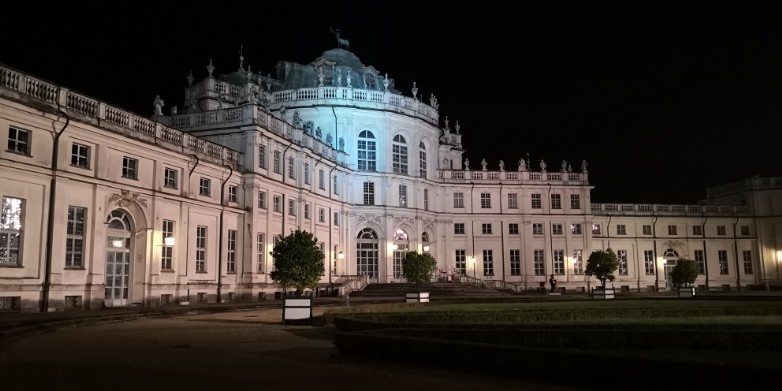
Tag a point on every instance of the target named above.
point(103, 207)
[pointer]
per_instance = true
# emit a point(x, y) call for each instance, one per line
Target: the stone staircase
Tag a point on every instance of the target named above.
point(436, 291)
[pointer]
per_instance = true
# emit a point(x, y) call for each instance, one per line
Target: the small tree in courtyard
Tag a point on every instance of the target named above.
point(298, 261)
point(418, 268)
point(602, 265)
point(684, 273)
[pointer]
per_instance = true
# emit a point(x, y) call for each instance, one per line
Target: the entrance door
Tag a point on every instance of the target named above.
point(118, 256)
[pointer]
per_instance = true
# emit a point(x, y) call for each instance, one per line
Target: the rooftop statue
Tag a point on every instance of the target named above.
point(502, 165)
point(564, 166)
point(543, 166)
point(483, 164)
point(522, 165)
point(466, 164)
point(342, 43)
point(159, 103)
point(584, 166)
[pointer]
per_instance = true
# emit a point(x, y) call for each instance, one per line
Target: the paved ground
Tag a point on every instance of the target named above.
point(248, 348)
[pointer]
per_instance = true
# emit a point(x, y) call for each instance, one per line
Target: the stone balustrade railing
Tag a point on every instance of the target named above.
point(764, 183)
point(115, 119)
point(464, 176)
point(668, 210)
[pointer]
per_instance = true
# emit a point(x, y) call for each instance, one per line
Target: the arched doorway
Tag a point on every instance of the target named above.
point(670, 256)
point(366, 253)
point(118, 256)
point(400, 245)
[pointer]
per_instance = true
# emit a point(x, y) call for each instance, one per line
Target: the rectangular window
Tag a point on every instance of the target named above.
point(621, 256)
point(575, 201)
point(307, 211)
point(291, 167)
point(277, 166)
point(322, 215)
point(649, 262)
point(700, 261)
point(539, 263)
point(556, 229)
point(170, 178)
point(488, 263)
point(369, 193)
point(578, 262)
point(200, 244)
point(422, 162)
point(80, 155)
point(402, 196)
point(485, 200)
point(232, 193)
point(306, 173)
point(596, 229)
point(461, 262)
point(458, 228)
point(458, 200)
point(513, 201)
point(671, 230)
point(575, 229)
point(205, 187)
point(129, 168)
point(74, 240)
point(230, 260)
point(515, 262)
point(261, 156)
point(336, 219)
point(486, 229)
point(747, 255)
point(647, 229)
point(336, 185)
point(537, 228)
point(277, 204)
point(720, 230)
point(559, 262)
point(745, 230)
point(621, 229)
point(11, 222)
point(399, 256)
point(262, 199)
point(426, 199)
point(722, 256)
point(697, 230)
point(18, 141)
point(321, 180)
point(260, 252)
point(556, 201)
point(513, 229)
point(292, 207)
point(167, 256)
point(536, 203)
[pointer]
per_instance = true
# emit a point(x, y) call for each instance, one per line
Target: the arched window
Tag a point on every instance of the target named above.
point(399, 154)
point(366, 252)
point(422, 159)
point(400, 246)
point(366, 151)
point(118, 236)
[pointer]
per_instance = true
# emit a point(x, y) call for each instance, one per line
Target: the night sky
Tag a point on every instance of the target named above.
point(663, 99)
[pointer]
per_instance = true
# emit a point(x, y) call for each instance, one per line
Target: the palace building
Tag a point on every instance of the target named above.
point(105, 207)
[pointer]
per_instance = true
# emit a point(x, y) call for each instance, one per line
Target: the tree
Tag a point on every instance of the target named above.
point(602, 265)
point(684, 273)
point(418, 268)
point(298, 261)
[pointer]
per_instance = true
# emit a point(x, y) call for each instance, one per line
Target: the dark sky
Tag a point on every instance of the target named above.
point(663, 99)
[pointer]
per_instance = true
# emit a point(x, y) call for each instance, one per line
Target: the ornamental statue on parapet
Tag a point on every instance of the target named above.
point(342, 43)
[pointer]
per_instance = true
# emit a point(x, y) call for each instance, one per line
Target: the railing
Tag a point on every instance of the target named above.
point(499, 284)
point(511, 176)
point(121, 121)
point(353, 283)
point(465, 279)
point(668, 210)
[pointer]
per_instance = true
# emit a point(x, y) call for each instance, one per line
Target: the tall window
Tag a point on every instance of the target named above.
point(399, 154)
point(596, 229)
point(11, 218)
point(322, 215)
point(260, 251)
point(556, 229)
point(575, 201)
point(697, 230)
point(277, 165)
point(537, 228)
point(486, 228)
point(291, 167)
point(426, 199)
point(722, 257)
point(578, 262)
point(200, 261)
point(366, 253)
point(461, 261)
point(277, 204)
point(230, 260)
point(403, 196)
point(535, 201)
point(262, 199)
point(19, 141)
point(167, 255)
point(129, 168)
point(336, 185)
point(458, 228)
point(306, 173)
point(513, 201)
point(369, 193)
point(336, 219)
point(80, 155)
point(307, 211)
point(671, 230)
point(205, 187)
point(422, 159)
point(366, 151)
point(458, 200)
point(649, 262)
point(232, 190)
point(74, 240)
point(556, 201)
point(486, 200)
point(321, 179)
point(621, 229)
point(747, 255)
point(261, 156)
point(170, 178)
point(539, 263)
point(700, 261)
point(575, 229)
point(559, 261)
point(621, 256)
point(513, 228)
point(646, 229)
point(292, 207)
point(488, 263)
point(515, 262)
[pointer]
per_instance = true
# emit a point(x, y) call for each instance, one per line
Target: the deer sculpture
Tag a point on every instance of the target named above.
point(342, 43)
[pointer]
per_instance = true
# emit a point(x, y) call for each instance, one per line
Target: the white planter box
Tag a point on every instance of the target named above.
point(296, 308)
point(603, 294)
point(687, 291)
point(417, 297)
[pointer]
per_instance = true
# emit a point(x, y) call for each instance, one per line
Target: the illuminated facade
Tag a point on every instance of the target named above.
point(185, 207)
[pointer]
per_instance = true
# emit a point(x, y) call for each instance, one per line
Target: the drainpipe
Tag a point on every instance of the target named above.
point(654, 244)
point(705, 254)
point(187, 237)
point(220, 236)
point(47, 273)
point(736, 255)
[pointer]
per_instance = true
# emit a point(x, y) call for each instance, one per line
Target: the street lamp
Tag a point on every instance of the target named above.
point(169, 241)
